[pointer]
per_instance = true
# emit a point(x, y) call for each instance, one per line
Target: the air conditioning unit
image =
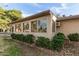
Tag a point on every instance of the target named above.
point(58, 24)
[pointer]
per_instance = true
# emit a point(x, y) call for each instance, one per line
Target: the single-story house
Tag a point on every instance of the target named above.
point(46, 24)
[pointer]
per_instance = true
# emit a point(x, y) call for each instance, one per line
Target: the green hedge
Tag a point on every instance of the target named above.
point(73, 37)
point(29, 38)
point(57, 41)
point(25, 38)
point(13, 35)
point(43, 42)
point(20, 37)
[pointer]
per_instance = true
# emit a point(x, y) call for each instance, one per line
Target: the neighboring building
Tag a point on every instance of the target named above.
point(69, 24)
point(46, 24)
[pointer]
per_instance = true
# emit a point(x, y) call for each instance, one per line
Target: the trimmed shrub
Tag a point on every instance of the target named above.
point(20, 37)
point(17, 36)
point(29, 38)
point(57, 41)
point(13, 36)
point(43, 42)
point(25, 38)
point(73, 37)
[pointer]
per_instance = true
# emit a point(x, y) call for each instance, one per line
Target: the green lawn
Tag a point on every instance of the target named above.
point(8, 47)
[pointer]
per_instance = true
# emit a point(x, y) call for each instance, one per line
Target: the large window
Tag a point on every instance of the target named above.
point(34, 26)
point(39, 26)
point(42, 25)
point(25, 27)
point(18, 27)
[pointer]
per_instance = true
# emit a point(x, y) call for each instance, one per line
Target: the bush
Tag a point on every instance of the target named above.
point(20, 37)
point(73, 37)
point(17, 36)
point(29, 38)
point(43, 42)
point(25, 38)
point(13, 36)
point(57, 41)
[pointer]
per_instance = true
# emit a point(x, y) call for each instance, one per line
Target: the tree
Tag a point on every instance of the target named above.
point(7, 16)
point(2, 11)
point(4, 23)
point(14, 14)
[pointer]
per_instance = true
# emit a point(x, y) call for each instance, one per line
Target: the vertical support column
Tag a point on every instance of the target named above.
point(22, 27)
point(29, 26)
point(54, 19)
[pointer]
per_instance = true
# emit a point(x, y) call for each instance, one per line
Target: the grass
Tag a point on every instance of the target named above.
point(13, 51)
point(9, 48)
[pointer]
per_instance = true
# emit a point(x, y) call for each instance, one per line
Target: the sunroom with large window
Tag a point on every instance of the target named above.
point(41, 24)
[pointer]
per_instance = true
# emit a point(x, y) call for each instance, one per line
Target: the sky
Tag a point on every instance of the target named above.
point(28, 9)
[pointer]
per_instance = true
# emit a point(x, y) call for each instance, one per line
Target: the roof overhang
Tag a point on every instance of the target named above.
point(40, 14)
point(68, 18)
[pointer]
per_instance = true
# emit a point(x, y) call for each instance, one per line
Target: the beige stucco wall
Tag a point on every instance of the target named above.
point(69, 26)
point(49, 32)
